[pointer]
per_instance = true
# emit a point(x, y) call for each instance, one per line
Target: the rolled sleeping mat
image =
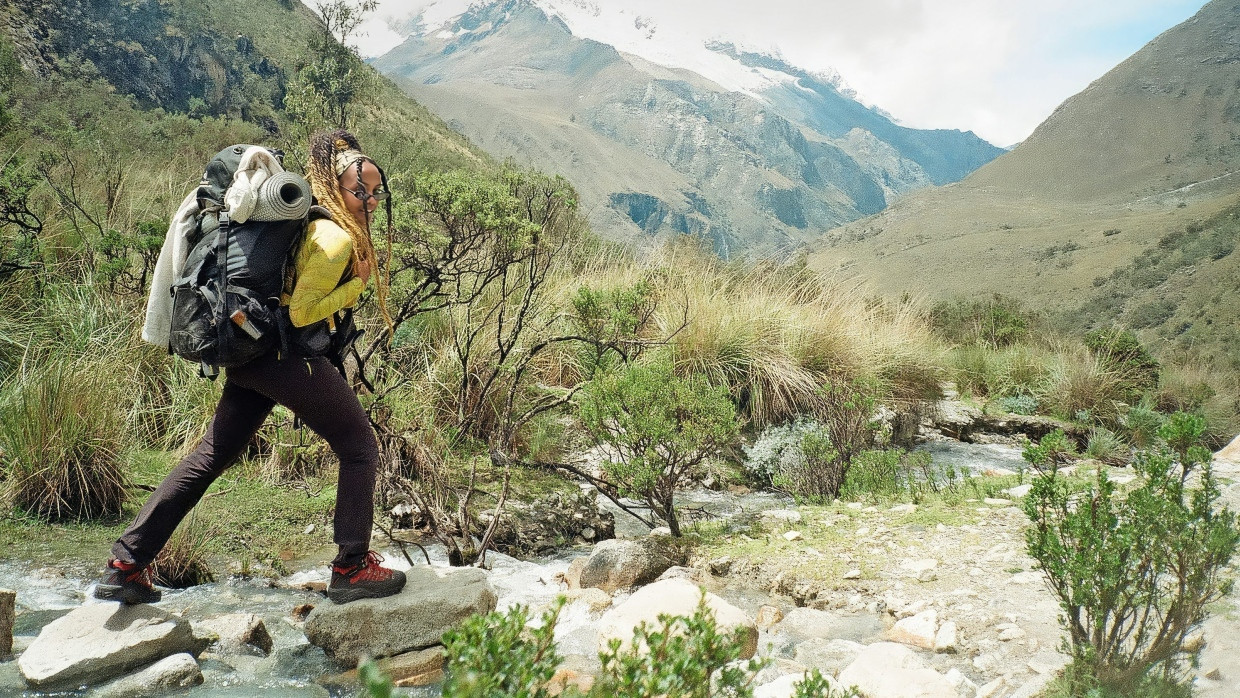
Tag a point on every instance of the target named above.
point(282, 196)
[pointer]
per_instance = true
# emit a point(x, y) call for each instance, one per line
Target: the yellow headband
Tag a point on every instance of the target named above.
point(346, 158)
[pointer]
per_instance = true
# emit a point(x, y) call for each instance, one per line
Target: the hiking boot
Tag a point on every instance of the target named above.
point(128, 583)
point(365, 580)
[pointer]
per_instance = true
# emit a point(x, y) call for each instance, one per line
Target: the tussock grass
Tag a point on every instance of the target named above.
point(61, 427)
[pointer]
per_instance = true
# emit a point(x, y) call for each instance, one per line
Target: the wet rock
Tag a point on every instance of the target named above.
point(432, 602)
point(98, 642)
point(676, 597)
point(168, 674)
point(621, 564)
point(890, 670)
point(238, 631)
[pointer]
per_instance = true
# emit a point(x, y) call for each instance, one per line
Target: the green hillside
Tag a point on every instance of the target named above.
point(1116, 209)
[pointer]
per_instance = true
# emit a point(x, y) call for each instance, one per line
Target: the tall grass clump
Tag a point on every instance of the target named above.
point(775, 336)
point(1083, 387)
point(61, 430)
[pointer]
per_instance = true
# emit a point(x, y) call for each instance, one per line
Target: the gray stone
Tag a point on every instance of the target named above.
point(99, 642)
point(169, 673)
point(784, 686)
point(433, 601)
point(828, 656)
point(622, 564)
point(237, 631)
point(692, 574)
point(781, 516)
point(918, 630)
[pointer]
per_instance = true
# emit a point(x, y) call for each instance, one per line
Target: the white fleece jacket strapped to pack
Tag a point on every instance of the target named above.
point(168, 268)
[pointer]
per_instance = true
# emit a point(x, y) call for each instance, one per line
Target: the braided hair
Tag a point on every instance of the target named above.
point(325, 147)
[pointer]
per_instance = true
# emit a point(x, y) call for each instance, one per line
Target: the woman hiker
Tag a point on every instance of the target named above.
point(350, 186)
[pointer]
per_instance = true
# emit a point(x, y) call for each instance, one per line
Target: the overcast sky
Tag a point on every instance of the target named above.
point(996, 67)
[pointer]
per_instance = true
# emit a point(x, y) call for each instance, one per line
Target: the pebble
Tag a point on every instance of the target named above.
point(792, 535)
point(852, 574)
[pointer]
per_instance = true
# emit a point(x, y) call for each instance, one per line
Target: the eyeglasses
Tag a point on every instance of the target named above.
point(379, 196)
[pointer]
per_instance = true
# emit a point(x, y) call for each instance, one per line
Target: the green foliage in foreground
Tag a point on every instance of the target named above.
point(496, 655)
point(1134, 574)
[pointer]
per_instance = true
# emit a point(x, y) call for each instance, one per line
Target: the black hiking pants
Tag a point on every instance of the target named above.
point(315, 391)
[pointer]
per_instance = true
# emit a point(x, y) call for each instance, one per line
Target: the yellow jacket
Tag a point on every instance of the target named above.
point(320, 264)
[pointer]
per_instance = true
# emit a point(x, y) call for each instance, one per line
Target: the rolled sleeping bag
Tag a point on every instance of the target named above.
point(282, 196)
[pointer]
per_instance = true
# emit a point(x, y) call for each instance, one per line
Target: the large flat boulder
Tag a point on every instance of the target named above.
point(99, 642)
point(433, 601)
point(677, 597)
point(621, 564)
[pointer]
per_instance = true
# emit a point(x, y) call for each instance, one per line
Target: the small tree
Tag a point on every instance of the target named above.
point(659, 428)
point(1134, 574)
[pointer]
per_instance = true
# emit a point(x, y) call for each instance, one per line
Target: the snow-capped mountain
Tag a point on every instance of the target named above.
point(662, 135)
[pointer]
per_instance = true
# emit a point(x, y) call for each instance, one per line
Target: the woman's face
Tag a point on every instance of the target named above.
point(359, 196)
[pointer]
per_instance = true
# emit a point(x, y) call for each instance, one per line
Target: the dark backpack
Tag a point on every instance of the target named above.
point(226, 304)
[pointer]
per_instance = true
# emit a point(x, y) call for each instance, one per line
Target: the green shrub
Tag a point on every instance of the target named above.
point(498, 655)
point(995, 322)
point(892, 472)
point(1141, 424)
point(1053, 450)
point(1134, 574)
point(60, 427)
point(659, 427)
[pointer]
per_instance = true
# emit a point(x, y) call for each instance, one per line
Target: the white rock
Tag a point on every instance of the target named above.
point(945, 637)
point(1032, 687)
point(961, 682)
point(677, 597)
point(863, 532)
point(990, 689)
point(890, 670)
point(1018, 491)
point(916, 566)
point(996, 502)
point(236, 631)
point(903, 509)
point(792, 535)
point(918, 630)
point(827, 656)
point(1007, 634)
point(785, 686)
point(852, 574)
point(660, 531)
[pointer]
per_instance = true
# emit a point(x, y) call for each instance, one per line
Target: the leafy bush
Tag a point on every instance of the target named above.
point(797, 458)
point(891, 472)
point(1141, 423)
point(1019, 404)
point(1134, 574)
point(660, 428)
point(498, 655)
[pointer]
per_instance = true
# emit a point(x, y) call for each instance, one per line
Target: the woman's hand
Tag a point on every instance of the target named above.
point(362, 270)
